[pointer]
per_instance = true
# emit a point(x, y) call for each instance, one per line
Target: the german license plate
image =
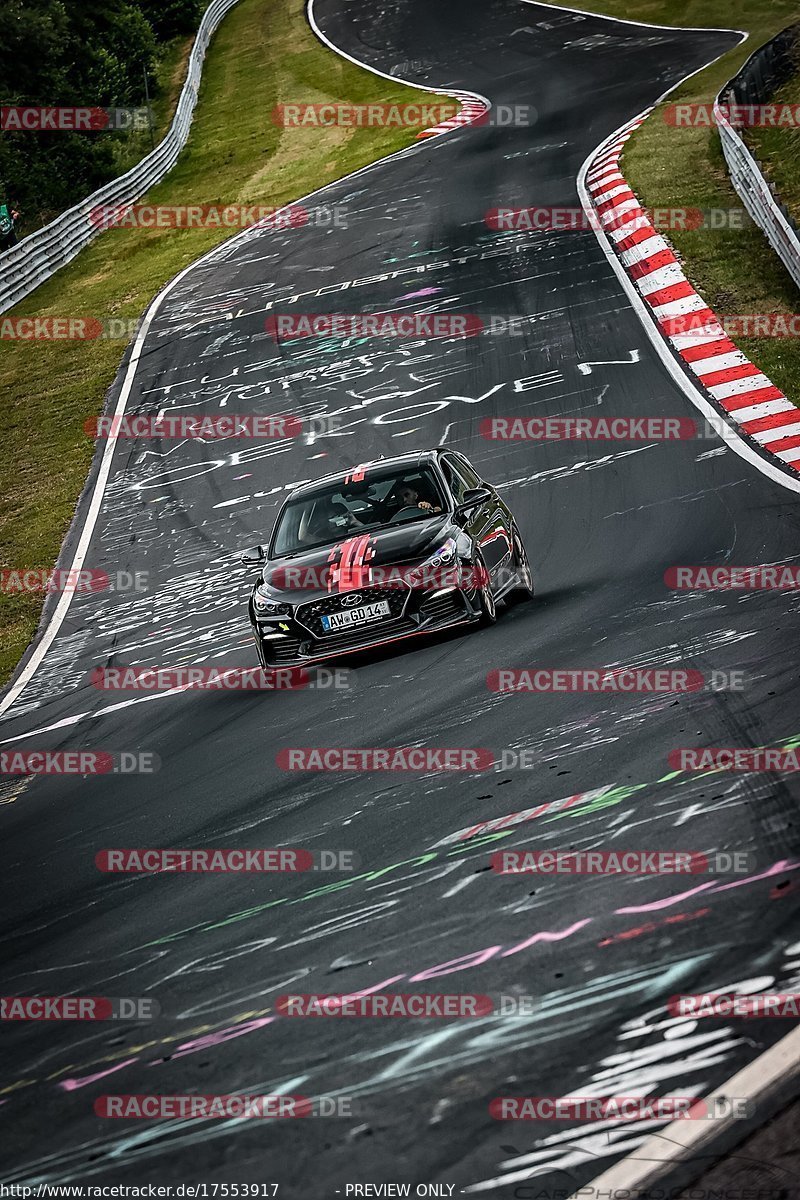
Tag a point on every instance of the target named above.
point(356, 616)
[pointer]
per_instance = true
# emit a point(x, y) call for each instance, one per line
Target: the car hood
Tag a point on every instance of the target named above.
point(344, 566)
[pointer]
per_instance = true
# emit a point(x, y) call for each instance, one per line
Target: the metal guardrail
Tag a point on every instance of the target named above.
point(41, 254)
point(764, 71)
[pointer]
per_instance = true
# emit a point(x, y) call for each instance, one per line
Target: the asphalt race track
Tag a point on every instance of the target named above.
point(602, 522)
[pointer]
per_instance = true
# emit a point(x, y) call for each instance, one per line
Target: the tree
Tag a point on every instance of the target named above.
point(171, 18)
point(92, 53)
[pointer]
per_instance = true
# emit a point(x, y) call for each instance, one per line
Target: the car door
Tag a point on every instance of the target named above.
point(502, 522)
point(486, 523)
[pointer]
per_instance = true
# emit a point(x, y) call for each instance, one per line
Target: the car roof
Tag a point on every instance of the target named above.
point(407, 461)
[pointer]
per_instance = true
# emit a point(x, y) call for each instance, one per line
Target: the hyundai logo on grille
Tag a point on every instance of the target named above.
point(352, 598)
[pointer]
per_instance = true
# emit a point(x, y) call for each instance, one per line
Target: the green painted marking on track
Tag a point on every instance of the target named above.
point(615, 795)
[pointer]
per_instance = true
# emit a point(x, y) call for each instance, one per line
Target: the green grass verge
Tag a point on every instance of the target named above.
point(736, 271)
point(263, 54)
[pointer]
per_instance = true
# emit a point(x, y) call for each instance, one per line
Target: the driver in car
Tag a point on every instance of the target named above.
point(409, 497)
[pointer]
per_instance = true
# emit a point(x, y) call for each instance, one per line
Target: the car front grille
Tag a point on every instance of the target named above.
point(309, 614)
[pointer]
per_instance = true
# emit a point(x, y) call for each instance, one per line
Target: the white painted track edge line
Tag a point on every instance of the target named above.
point(47, 636)
point(423, 87)
point(587, 12)
point(679, 1140)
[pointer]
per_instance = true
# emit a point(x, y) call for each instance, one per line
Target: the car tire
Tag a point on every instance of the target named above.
point(486, 601)
point(524, 590)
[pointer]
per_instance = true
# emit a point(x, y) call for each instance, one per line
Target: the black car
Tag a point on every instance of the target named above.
point(390, 549)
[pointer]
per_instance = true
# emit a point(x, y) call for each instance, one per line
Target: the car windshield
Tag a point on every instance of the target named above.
point(345, 509)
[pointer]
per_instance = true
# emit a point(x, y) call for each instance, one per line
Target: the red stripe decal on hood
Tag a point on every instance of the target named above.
point(349, 560)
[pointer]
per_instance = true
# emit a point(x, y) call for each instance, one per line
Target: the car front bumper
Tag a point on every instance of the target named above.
point(301, 638)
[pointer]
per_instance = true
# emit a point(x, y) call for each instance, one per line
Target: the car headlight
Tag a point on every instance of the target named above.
point(445, 556)
point(446, 553)
point(266, 606)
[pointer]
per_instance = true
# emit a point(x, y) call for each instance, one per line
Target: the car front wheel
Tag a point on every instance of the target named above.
point(523, 590)
point(486, 601)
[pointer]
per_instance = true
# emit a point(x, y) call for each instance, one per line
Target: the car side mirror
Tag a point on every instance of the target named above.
point(473, 497)
point(254, 556)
